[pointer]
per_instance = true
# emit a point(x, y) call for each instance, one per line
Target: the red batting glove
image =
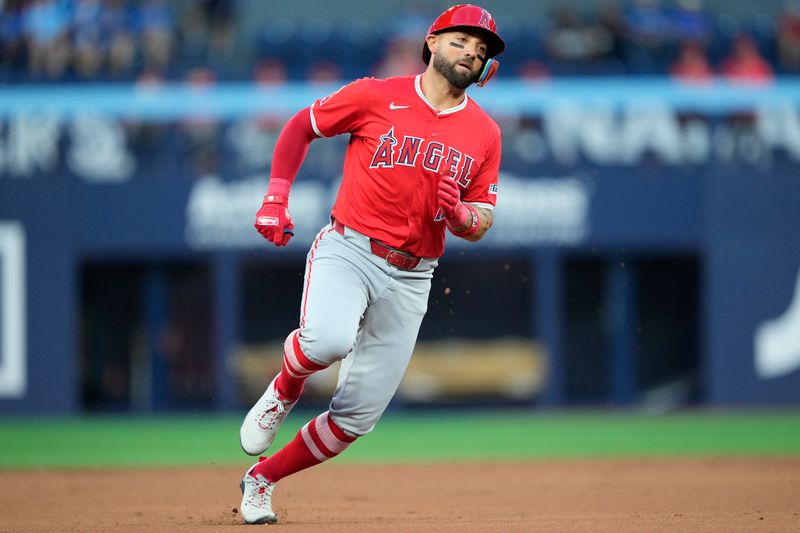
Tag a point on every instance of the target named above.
point(273, 220)
point(455, 213)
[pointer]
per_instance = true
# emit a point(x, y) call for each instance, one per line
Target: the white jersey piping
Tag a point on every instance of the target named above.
point(459, 107)
point(313, 121)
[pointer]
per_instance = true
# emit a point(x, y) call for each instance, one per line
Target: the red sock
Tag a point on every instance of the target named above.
point(296, 368)
point(319, 440)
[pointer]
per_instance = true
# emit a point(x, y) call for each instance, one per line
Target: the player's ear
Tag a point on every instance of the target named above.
point(433, 43)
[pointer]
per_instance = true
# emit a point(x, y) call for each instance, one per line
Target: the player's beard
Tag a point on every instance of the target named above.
point(448, 70)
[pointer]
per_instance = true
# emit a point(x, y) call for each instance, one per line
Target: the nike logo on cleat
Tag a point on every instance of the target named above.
point(395, 107)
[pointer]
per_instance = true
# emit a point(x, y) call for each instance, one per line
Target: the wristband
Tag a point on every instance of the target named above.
point(276, 199)
point(278, 187)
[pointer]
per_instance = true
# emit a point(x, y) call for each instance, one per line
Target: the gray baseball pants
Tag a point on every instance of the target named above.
point(359, 308)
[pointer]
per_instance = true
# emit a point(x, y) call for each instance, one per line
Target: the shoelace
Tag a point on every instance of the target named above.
point(260, 492)
point(276, 411)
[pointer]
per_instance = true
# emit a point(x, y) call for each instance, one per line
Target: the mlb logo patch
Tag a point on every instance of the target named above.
point(493, 188)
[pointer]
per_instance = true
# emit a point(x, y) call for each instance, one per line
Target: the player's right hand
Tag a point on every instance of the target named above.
point(273, 220)
point(449, 196)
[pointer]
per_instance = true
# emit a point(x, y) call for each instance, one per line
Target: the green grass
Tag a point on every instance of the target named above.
point(98, 442)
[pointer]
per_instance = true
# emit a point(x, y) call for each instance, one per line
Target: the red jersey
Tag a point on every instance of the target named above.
point(399, 149)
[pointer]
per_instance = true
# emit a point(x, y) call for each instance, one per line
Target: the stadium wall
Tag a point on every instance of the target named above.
point(617, 171)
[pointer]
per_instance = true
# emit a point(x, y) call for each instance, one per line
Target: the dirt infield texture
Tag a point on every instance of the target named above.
point(726, 495)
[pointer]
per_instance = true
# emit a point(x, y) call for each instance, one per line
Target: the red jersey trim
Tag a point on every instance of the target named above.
point(459, 107)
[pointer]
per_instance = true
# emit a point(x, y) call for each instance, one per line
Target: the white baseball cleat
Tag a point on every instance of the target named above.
point(256, 507)
point(262, 421)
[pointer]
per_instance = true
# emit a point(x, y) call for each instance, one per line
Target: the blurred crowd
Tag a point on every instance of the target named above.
point(112, 40)
point(203, 41)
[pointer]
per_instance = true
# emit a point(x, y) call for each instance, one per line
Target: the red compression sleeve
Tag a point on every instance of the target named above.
point(292, 147)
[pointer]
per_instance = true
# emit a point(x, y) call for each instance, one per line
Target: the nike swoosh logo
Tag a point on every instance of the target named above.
point(777, 341)
point(395, 107)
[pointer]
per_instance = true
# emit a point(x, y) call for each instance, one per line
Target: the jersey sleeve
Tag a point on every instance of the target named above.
point(482, 190)
point(341, 111)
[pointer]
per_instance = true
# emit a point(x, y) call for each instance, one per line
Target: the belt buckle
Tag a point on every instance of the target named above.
point(401, 260)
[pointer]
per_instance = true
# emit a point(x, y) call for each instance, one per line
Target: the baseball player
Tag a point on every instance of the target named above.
point(422, 158)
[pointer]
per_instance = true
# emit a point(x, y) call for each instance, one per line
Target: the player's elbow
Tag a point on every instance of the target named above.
point(475, 238)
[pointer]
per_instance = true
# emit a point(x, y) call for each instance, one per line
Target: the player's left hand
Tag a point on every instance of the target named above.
point(273, 220)
point(449, 196)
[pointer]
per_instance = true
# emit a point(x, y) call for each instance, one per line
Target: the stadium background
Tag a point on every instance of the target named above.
point(645, 258)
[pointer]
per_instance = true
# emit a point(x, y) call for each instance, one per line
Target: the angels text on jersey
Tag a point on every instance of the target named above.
point(431, 155)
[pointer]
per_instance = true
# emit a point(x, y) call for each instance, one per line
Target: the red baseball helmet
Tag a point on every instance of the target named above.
point(466, 16)
point(469, 16)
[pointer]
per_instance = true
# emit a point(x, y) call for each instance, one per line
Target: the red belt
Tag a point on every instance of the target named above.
point(393, 256)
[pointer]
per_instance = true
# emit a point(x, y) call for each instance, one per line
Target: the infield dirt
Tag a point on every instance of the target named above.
point(654, 495)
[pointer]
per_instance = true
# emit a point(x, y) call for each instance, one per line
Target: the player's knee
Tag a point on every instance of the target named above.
point(326, 345)
point(354, 425)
